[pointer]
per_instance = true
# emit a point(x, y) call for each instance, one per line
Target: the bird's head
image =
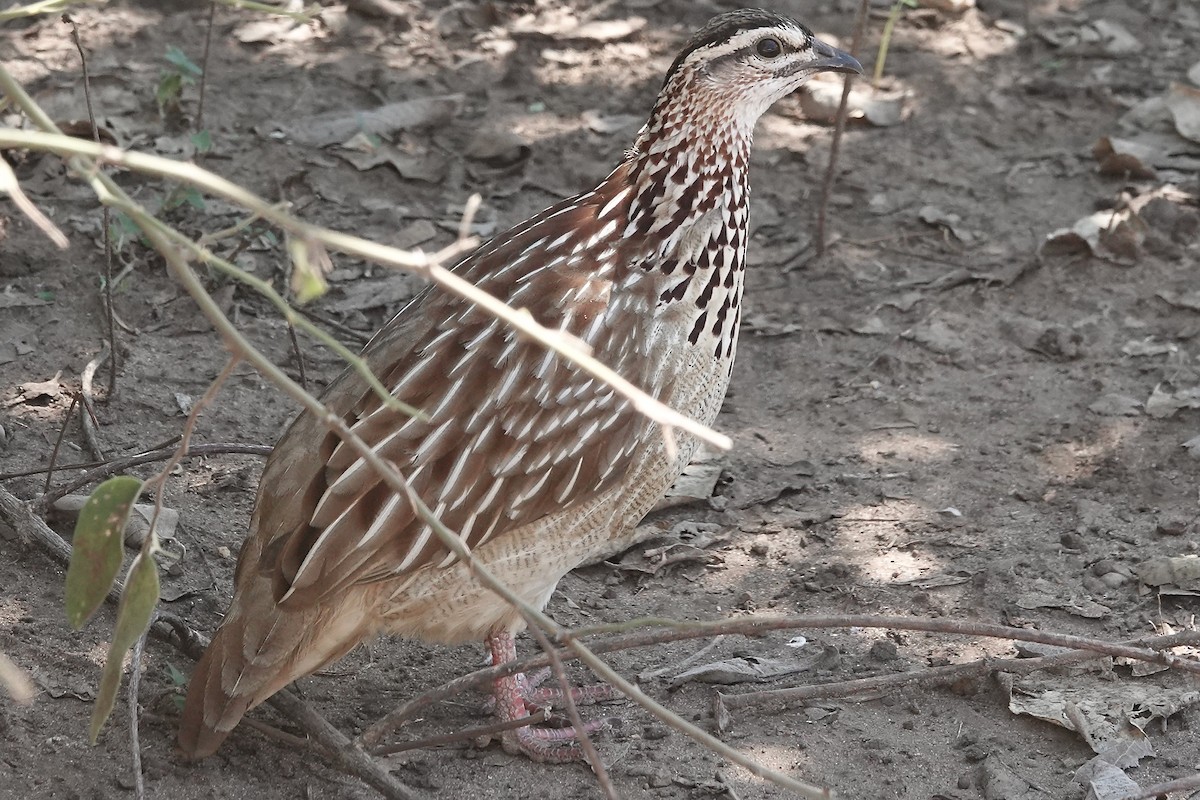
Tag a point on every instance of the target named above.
point(743, 61)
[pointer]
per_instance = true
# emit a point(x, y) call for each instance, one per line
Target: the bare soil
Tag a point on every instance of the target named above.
point(935, 420)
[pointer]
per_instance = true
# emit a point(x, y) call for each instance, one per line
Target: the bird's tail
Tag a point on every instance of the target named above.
point(255, 653)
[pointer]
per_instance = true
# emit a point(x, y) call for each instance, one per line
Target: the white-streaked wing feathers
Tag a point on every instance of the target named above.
point(513, 433)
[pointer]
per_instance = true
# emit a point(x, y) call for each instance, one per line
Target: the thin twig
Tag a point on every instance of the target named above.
point(345, 753)
point(945, 674)
point(90, 426)
point(685, 663)
point(376, 731)
point(480, 732)
point(10, 186)
point(104, 469)
point(299, 356)
point(839, 129)
point(87, 420)
point(106, 219)
point(585, 741)
point(1183, 784)
point(135, 680)
point(668, 630)
point(62, 430)
point(212, 8)
point(271, 732)
point(358, 337)
point(159, 481)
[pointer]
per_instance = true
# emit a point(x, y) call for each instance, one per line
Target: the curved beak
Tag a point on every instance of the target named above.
point(830, 59)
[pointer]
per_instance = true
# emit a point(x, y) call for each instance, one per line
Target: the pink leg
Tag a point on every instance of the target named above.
point(547, 745)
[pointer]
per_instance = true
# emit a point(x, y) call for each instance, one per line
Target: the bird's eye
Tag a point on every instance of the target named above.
point(768, 47)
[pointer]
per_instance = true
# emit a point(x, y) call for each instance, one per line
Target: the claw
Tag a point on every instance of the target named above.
point(514, 694)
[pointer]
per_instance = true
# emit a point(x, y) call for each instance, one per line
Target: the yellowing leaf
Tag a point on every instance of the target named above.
point(96, 554)
point(310, 265)
point(133, 617)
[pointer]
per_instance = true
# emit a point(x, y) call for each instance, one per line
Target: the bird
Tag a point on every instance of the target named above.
point(535, 465)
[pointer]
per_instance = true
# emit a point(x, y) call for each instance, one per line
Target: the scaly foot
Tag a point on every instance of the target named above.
point(514, 694)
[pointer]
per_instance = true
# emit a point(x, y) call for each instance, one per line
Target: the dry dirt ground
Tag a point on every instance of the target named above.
point(939, 418)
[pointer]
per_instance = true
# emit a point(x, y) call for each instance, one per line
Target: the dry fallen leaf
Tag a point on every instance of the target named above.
point(1125, 158)
point(42, 392)
point(1107, 233)
point(336, 127)
point(387, 291)
point(744, 669)
point(1112, 713)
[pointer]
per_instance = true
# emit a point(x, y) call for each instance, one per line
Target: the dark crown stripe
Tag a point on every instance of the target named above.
point(724, 27)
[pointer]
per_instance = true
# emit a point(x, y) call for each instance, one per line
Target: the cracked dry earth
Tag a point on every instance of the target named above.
point(939, 418)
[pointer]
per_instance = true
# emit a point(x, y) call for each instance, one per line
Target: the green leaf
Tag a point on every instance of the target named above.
point(187, 68)
point(133, 618)
point(96, 554)
point(193, 198)
point(177, 677)
point(202, 141)
point(168, 91)
point(45, 295)
point(181, 195)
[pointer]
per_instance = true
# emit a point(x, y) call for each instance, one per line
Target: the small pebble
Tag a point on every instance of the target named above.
point(884, 650)
point(1072, 541)
point(1113, 580)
